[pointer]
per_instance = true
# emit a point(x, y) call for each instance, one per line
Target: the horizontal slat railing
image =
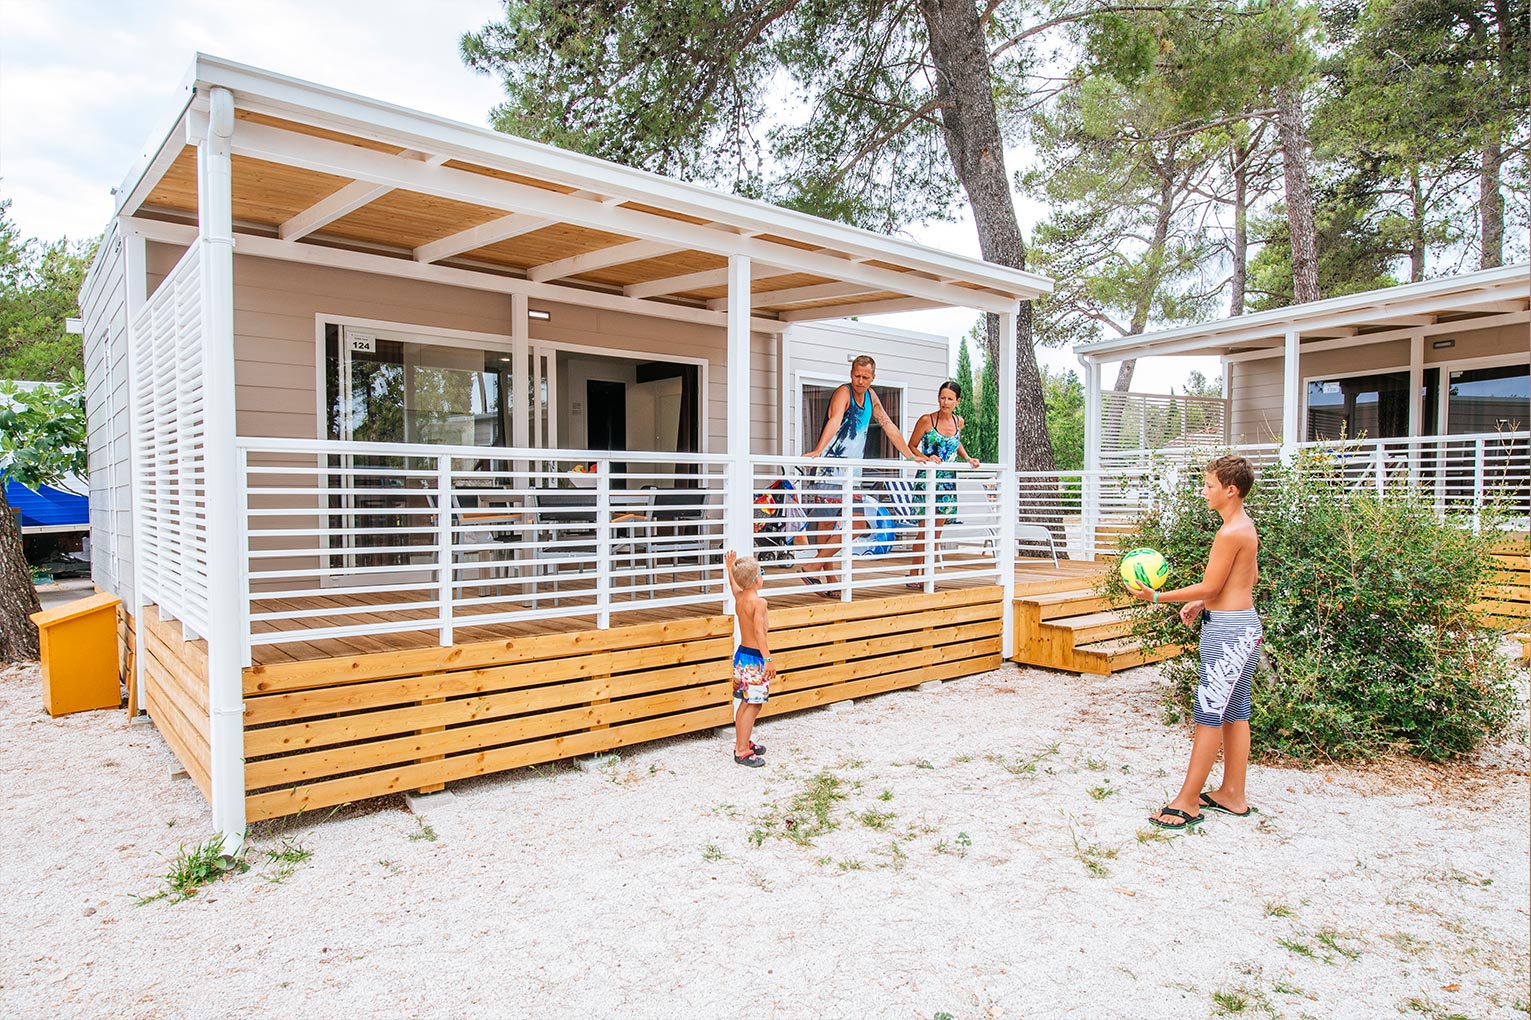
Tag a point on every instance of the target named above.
point(803, 507)
point(347, 539)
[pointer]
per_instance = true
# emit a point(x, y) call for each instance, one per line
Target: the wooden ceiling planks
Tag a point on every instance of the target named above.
point(644, 270)
point(408, 219)
point(559, 241)
point(797, 306)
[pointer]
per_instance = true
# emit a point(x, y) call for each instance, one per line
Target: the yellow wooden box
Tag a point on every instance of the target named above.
point(79, 652)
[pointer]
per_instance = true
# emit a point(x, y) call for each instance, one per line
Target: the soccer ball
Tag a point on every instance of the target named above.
point(1145, 567)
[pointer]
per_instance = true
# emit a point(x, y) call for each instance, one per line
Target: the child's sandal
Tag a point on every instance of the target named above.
point(752, 759)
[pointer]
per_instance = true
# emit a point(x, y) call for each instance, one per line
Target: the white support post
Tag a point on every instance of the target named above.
point(929, 525)
point(444, 548)
point(784, 394)
point(847, 529)
point(520, 372)
point(1416, 401)
point(1480, 466)
point(1009, 485)
point(738, 532)
point(135, 275)
point(603, 545)
point(225, 618)
point(1093, 414)
point(1291, 396)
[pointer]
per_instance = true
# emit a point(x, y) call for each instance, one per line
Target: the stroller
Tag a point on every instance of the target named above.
point(778, 516)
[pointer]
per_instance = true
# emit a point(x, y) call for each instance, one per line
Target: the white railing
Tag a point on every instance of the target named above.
point(1134, 422)
point(804, 507)
point(1461, 475)
point(346, 539)
point(169, 429)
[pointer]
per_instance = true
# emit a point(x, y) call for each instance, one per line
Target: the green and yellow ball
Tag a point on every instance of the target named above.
point(1145, 567)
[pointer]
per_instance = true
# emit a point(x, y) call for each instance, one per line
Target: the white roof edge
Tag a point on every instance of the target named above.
point(1330, 311)
point(486, 145)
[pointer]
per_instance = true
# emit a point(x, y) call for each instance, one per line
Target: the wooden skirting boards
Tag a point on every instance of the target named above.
point(1507, 596)
point(175, 693)
point(329, 731)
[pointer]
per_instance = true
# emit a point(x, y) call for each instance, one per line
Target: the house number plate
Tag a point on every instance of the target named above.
point(364, 344)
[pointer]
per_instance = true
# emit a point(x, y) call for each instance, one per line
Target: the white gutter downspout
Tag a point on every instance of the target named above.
point(1009, 483)
point(225, 510)
point(739, 498)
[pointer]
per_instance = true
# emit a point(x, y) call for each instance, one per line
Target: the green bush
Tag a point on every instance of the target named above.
point(1371, 641)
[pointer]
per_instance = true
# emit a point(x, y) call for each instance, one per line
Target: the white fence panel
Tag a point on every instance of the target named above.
point(170, 430)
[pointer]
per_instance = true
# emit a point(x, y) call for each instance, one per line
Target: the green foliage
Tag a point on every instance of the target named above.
point(986, 448)
point(39, 289)
point(967, 404)
point(195, 867)
point(1064, 394)
point(1354, 252)
point(1371, 638)
point(42, 431)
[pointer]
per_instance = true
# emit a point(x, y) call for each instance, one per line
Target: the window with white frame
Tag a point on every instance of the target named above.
point(813, 404)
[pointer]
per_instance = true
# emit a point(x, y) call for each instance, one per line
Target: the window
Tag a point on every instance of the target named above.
point(1489, 400)
point(1376, 406)
point(815, 409)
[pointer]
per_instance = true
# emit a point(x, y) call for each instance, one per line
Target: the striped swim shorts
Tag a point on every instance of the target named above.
point(1230, 651)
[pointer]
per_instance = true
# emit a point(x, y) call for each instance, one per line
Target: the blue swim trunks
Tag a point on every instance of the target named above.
point(1230, 651)
point(750, 682)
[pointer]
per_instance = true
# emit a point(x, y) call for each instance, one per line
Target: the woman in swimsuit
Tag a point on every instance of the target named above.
point(938, 435)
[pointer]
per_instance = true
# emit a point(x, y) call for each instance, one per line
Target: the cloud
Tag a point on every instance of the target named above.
point(83, 84)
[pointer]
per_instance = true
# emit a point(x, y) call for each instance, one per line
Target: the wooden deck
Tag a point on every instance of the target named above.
point(783, 588)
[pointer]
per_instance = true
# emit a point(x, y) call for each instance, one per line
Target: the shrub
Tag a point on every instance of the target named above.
point(1371, 640)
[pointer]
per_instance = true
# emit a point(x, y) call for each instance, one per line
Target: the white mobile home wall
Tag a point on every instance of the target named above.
point(103, 307)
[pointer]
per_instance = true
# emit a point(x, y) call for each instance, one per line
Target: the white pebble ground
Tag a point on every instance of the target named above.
point(988, 860)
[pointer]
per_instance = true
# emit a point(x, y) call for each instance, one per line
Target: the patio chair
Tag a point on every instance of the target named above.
point(907, 503)
point(476, 515)
point(567, 517)
point(1038, 534)
point(677, 531)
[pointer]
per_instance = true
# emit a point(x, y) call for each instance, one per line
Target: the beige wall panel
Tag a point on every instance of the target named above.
point(1481, 343)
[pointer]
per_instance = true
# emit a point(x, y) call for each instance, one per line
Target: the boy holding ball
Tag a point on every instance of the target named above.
point(1230, 648)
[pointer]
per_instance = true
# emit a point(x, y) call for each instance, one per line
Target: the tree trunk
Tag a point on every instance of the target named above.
point(1490, 208)
point(18, 598)
point(970, 122)
point(1240, 279)
point(1299, 192)
point(1153, 259)
point(1416, 227)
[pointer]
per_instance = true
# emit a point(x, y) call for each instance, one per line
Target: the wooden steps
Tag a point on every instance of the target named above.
point(1072, 627)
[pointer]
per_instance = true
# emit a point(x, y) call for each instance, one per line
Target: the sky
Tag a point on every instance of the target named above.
point(84, 83)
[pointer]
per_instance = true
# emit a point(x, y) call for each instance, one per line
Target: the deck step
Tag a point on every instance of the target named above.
point(1059, 604)
point(1124, 653)
point(1092, 627)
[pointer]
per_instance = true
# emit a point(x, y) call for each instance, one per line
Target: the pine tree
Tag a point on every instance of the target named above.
point(987, 447)
point(967, 404)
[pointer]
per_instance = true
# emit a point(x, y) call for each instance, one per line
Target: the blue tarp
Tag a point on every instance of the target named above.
point(48, 508)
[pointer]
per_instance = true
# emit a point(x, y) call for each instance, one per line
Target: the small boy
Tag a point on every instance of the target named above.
point(753, 671)
point(1230, 648)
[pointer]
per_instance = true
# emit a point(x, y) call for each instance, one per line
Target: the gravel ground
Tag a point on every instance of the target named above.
point(976, 851)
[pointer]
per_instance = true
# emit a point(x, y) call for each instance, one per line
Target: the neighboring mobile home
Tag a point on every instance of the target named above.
point(419, 447)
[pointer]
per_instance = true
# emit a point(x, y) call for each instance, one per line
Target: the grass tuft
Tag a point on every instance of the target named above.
point(195, 867)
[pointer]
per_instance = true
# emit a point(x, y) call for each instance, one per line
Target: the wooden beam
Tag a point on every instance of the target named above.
point(797, 295)
point(697, 281)
point(492, 232)
point(616, 255)
point(327, 210)
point(910, 304)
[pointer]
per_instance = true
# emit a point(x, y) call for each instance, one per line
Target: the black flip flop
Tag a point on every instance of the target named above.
point(1190, 820)
point(1212, 805)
